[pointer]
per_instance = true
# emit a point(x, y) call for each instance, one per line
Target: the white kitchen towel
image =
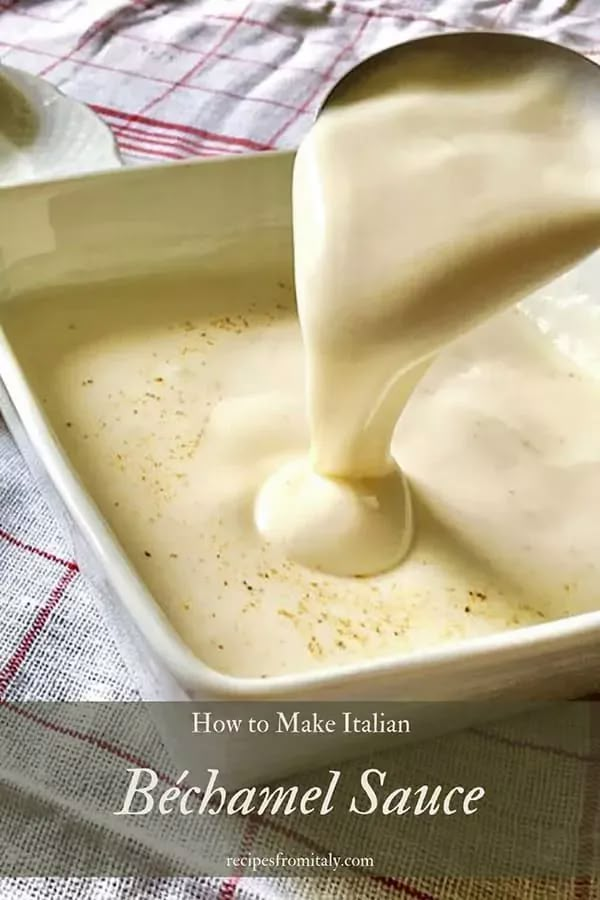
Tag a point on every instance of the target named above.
point(175, 79)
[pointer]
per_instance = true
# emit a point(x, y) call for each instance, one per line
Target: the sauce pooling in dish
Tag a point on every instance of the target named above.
point(423, 202)
point(177, 399)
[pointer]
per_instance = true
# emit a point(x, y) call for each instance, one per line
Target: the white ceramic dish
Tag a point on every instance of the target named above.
point(44, 134)
point(229, 212)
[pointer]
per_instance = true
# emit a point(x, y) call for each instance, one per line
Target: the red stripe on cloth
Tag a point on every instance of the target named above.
point(135, 118)
point(91, 739)
point(247, 98)
point(290, 833)
point(587, 847)
point(389, 881)
point(401, 887)
point(91, 64)
point(290, 67)
point(195, 68)
point(44, 554)
point(93, 31)
point(33, 50)
point(327, 75)
point(531, 745)
point(131, 149)
point(87, 63)
point(190, 145)
point(8, 673)
point(392, 883)
point(190, 148)
point(27, 13)
point(411, 15)
point(229, 887)
point(139, 148)
point(141, 138)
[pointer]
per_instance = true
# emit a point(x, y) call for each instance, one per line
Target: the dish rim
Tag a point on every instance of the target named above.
point(145, 612)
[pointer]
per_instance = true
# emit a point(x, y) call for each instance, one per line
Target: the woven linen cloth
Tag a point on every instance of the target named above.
point(175, 80)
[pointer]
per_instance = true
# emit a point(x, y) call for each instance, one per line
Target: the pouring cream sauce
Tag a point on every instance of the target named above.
point(425, 201)
point(181, 400)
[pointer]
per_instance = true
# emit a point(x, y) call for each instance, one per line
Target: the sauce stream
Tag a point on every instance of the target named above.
point(421, 207)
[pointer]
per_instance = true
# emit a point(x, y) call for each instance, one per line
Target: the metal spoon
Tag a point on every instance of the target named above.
point(469, 56)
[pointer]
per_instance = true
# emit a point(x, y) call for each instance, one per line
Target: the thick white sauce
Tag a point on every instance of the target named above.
point(181, 402)
point(165, 401)
point(422, 204)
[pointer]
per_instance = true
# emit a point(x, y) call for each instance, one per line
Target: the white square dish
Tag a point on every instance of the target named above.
point(232, 213)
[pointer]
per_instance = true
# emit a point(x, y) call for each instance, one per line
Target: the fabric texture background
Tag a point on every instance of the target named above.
point(175, 80)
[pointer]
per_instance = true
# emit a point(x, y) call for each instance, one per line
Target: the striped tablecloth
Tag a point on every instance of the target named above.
point(176, 79)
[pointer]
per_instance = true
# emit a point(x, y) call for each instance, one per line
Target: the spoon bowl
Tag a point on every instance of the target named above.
point(490, 54)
